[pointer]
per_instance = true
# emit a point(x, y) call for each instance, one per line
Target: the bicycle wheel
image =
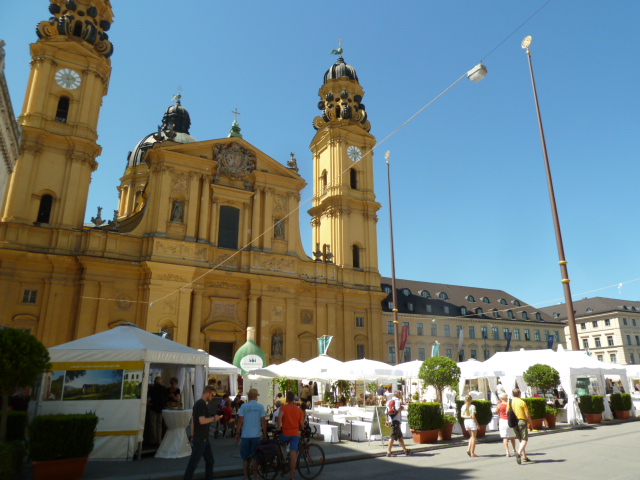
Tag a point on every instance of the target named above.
point(310, 461)
point(269, 470)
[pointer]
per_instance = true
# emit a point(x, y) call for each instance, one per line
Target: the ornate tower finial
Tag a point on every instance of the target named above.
point(293, 163)
point(235, 127)
point(337, 51)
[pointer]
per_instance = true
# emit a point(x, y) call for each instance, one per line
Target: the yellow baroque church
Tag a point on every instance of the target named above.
point(206, 242)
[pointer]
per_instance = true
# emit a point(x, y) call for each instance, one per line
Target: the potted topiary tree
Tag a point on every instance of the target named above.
point(425, 421)
point(544, 378)
point(439, 372)
point(538, 411)
point(22, 359)
point(592, 407)
point(621, 405)
point(54, 459)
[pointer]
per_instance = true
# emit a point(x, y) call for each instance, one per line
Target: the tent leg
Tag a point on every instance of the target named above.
point(139, 454)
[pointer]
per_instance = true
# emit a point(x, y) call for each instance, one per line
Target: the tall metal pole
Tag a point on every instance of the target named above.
point(396, 337)
point(554, 210)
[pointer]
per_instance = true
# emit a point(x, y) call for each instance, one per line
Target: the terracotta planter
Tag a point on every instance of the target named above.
point(482, 431)
point(593, 417)
point(465, 433)
point(67, 469)
point(446, 432)
point(550, 420)
point(536, 423)
point(622, 414)
point(425, 436)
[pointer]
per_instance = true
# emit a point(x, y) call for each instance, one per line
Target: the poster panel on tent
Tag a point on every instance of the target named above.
point(379, 424)
point(73, 387)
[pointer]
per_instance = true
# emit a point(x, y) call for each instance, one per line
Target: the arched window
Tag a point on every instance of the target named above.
point(510, 314)
point(62, 112)
point(424, 293)
point(470, 298)
point(228, 227)
point(443, 296)
point(353, 176)
point(356, 256)
point(486, 300)
point(44, 212)
point(323, 182)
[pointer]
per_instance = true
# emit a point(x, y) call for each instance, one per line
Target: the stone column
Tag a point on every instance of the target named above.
point(191, 207)
point(255, 220)
point(205, 209)
point(268, 219)
point(195, 327)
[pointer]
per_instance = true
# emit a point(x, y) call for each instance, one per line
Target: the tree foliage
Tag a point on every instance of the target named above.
point(541, 376)
point(439, 372)
point(22, 359)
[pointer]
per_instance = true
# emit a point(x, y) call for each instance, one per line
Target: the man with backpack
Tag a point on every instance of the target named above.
point(394, 412)
point(521, 430)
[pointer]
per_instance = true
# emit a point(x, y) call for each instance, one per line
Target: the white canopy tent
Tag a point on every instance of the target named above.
point(109, 373)
point(510, 366)
point(218, 366)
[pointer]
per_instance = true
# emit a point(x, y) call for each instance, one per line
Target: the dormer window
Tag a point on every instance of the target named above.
point(470, 298)
point(510, 314)
point(486, 300)
point(503, 301)
point(443, 296)
point(406, 292)
point(517, 303)
point(589, 310)
point(424, 293)
point(386, 289)
point(463, 310)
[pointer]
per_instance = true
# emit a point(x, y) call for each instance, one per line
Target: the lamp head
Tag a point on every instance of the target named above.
point(477, 73)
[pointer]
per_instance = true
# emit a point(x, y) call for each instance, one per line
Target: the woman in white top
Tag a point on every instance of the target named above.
point(468, 412)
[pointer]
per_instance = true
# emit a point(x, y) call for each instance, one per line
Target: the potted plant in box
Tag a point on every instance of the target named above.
point(425, 420)
point(592, 407)
point(60, 445)
point(552, 413)
point(538, 410)
point(621, 405)
point(447, 429)
point(483, 414)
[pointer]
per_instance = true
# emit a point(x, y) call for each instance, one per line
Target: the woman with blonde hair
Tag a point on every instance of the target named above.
point(468, 412)
point(506, 432)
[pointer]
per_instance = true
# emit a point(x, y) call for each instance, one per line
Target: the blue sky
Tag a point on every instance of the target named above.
point(470, 200)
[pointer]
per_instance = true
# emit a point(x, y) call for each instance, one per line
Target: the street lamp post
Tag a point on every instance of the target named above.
point(394, 294)
point(554, 209)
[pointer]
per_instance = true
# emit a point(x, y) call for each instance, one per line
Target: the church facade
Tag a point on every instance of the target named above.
point(206, 241)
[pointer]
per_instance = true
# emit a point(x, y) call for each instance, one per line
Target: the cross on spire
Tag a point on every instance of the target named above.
point(236, 112)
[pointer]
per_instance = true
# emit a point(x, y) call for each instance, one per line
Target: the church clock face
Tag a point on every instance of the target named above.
point(68, 79)
point(354, 153)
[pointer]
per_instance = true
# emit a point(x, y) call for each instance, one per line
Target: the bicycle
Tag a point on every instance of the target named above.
point(310, 459)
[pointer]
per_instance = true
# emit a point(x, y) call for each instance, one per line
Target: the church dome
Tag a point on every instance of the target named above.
point(175, 127)
point(340, 69)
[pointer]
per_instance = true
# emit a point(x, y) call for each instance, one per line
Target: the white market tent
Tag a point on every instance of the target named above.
point(510, 366)
point(122, 356)
point(218, 366)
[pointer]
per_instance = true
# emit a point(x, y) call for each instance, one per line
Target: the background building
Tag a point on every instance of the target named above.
point(485, 318)
point(608, 328)
point(9, 136)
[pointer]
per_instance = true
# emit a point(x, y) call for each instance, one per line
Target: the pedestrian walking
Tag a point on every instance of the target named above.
point(394, 409)
point(200, 439)
point(290, 423)
point(506, 432)
point(522, 430)
point(468, 412)
point(251, 423)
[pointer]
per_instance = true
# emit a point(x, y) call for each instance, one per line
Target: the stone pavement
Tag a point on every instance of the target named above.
point(229, 464)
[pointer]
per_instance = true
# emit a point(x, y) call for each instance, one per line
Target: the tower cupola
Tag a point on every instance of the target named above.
point(341, 97)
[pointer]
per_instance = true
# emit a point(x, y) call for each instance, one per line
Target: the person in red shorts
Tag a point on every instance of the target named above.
point(291, 422)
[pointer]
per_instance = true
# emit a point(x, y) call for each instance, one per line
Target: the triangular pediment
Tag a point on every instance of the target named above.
point(205, 150)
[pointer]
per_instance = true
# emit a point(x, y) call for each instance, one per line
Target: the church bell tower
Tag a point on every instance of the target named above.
point(344, 207)
point(70, 72)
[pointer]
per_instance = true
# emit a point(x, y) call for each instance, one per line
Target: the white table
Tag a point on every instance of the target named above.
point(175, 444)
